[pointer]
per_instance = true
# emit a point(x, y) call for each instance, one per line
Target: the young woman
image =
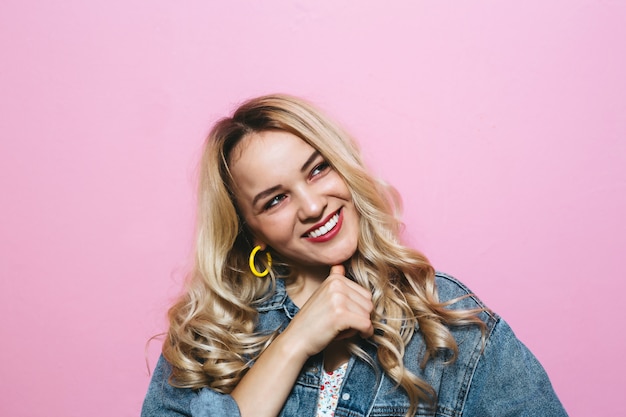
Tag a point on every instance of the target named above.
point(304, 302)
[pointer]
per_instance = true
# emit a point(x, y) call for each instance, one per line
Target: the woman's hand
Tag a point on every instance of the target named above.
point(338, 309)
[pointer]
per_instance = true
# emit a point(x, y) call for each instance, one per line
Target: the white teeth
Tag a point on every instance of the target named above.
point(325, 228)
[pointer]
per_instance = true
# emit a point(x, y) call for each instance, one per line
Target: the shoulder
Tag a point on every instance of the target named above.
point(494, 373)
point(460, 297)
point(449, 288)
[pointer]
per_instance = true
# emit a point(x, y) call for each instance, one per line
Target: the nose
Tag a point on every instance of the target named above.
point(312, 204)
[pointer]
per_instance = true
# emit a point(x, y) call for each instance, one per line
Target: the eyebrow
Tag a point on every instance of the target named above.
point(309, 161)
point(265, 193)
point(272, 190)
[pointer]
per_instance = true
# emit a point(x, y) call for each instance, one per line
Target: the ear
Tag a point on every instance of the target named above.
point(259, 242)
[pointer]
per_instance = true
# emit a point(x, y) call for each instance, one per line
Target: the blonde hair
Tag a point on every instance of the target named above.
point(212, 341)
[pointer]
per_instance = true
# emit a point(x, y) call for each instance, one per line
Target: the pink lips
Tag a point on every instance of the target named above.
point(330, 234)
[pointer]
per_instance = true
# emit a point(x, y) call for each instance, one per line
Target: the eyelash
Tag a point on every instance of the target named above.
point(273, 201)
point(317, 170)
point(321, 167)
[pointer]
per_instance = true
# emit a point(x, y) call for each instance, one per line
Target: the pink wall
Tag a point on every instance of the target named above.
point(502, 123)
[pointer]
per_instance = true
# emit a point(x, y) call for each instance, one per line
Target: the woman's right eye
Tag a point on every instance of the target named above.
point(274, 201)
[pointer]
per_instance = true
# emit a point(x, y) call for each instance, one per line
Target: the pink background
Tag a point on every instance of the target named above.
point(502, 123)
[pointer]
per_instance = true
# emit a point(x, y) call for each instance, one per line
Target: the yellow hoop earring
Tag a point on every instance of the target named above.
point(253, 266)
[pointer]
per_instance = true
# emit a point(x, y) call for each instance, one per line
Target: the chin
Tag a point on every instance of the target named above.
point(345, 257)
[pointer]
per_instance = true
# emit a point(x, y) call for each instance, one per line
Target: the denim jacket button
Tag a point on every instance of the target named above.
point(345, 396)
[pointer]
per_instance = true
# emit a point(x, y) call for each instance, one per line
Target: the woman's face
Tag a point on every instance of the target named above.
point(292, 200)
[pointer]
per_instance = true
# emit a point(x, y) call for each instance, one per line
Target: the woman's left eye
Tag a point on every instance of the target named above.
point(274, 201)
point(319, 168)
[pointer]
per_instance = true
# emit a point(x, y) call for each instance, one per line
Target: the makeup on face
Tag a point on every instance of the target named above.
point(293, 201)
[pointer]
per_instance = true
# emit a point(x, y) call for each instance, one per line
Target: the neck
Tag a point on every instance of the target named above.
point(307, 280)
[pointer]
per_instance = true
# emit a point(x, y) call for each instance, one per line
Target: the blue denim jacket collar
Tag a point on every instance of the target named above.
point(279, 299)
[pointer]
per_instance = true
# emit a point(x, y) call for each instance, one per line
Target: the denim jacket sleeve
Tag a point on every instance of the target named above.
point(163, 400)
point(509, 381)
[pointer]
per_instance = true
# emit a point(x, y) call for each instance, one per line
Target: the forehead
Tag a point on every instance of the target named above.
point(266, 159)
point(257, 145)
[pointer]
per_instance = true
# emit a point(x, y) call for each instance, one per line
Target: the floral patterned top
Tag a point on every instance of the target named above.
point(329, 391)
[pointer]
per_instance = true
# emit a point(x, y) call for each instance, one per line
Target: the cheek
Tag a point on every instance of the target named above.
point(274, 230)
point(342, 188)
point(336, 186)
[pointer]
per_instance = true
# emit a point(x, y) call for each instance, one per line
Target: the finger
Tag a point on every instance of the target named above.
point(357, 302)
point(367, 333)
point(341, 271)
point(342, 285)
point(357, 324)
point(340, 280)
point(338, 269)
point(346, 334)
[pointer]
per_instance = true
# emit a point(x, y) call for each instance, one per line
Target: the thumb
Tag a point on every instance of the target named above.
point(338, 269)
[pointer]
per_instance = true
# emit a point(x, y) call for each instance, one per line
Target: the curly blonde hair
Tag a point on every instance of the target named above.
point(211, 340)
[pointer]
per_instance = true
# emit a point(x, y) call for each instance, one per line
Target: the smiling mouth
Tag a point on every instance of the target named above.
point(325, 228)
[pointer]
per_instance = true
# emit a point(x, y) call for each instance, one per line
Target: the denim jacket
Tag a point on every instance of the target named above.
point(499, 378)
